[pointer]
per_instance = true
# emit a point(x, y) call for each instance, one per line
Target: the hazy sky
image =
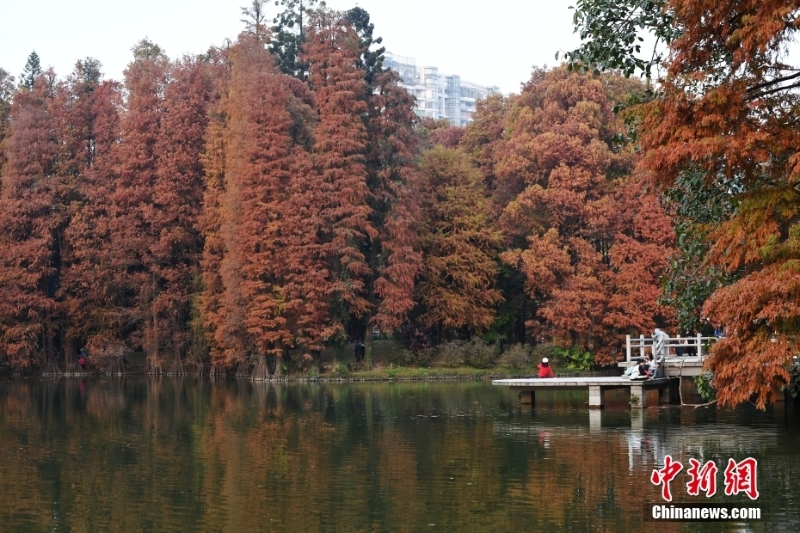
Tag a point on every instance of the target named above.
point(492, 42)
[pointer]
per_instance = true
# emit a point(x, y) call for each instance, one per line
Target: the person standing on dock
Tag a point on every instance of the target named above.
point(545, 370)
point(660, 345)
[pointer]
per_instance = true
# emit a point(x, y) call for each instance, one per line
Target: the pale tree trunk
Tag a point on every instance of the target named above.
point(261, 370)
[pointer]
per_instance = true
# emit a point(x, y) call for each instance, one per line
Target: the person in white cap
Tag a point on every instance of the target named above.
point(660, 342)
point(545, 370)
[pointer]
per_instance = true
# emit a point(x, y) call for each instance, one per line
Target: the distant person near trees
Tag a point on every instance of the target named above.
point(545, 370)
point(82, 359)
point(359, 350)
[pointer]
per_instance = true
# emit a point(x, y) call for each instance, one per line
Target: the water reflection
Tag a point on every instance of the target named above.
point(199, 455)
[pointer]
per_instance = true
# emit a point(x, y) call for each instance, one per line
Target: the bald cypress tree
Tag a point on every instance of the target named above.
point(28, 222)
point(339, 157)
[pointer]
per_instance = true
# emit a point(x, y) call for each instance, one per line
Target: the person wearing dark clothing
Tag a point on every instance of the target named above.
point(706, 328)
point(545, 370)
point(359, 349)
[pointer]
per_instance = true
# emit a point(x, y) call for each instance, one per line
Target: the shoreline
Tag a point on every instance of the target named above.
point(380, 374)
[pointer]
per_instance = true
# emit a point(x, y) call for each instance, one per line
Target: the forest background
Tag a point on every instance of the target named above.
point(240, 210)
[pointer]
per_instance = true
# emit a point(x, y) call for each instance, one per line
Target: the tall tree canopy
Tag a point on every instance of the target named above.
point(289, 33)
point(726, 107)
point(562, 172)
point(28, 308)
point(457, 290)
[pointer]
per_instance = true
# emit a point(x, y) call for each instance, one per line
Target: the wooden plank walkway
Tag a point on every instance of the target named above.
point(667, 387)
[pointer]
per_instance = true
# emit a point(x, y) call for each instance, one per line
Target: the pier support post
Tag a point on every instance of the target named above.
point(595, 420)
point(637, 419)
point(665, 394)
point(595, 397)
point(675, 390)
point(527, 397)
point(638, 391)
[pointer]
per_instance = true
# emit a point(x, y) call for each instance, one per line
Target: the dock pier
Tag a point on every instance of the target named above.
point(527, 387)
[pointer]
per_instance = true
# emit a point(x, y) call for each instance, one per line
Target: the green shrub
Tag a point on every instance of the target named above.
point(478, 354)
point(451, 354)
point(398, 356)
point(340, 368)
point(704, 384)
point(575, 358)
point(517, 356)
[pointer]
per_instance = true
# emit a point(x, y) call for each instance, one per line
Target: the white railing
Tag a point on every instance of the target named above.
point(643, 345)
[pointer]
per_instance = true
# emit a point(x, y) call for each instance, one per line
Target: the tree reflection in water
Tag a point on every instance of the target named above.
point(228, 455)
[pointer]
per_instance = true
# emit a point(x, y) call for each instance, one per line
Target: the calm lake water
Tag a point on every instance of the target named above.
point(139, 454)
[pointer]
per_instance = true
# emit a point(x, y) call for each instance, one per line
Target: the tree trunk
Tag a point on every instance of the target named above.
point(368, 348)
point(277, 374)
point(243, 370)
point(117, 367)
point(261, 370)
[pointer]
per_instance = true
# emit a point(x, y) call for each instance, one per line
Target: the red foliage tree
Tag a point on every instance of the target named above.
point(85, 111)
point(581, 253)
point(258, 165)
point(172, 259)
point(134, 209)
point(266, 285)
point(213, 310)
point(29, 219)
point(393, 179)
point(86, 281)
point(307, 279)
point(332, 51)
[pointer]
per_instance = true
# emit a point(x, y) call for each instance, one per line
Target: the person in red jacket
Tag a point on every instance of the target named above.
point(545, 370)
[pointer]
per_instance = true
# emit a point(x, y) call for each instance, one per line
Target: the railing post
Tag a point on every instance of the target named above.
point(699, 347)
point(628, 347)
point(641, 346)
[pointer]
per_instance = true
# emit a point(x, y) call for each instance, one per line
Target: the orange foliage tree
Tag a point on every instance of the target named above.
point(173, 256)
point(459, 243)
point(725, 107)
point(86, 280)
point(29, 220)
point(588, 262)
point(365, 153)
point(339, 152)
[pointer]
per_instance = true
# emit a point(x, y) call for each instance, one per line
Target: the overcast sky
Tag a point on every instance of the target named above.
point(491, 42)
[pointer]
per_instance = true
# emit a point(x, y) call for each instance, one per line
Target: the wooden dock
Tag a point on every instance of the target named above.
point(527, 387)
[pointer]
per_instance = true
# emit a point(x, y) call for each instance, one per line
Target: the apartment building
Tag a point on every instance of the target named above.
point(438, 95)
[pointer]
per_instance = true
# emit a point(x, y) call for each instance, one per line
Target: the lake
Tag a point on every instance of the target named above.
point(171, 454)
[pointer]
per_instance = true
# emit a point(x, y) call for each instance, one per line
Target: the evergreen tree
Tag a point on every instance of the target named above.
point(290, 33)
point(371, 61)
point(33, 68)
